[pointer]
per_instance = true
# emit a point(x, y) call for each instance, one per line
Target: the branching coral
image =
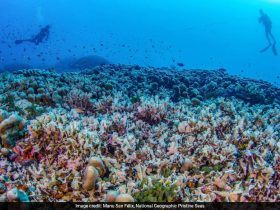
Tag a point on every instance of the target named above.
point(153, 111)
point(79, 100)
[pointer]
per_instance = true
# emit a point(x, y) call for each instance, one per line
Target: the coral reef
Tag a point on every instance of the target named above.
point(157, 192)
point(122, 133)
point(11, 128)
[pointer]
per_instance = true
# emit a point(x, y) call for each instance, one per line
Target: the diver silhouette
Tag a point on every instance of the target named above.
point(265, 20)
point(37, 39)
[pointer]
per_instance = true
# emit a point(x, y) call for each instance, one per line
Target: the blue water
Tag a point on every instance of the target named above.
point(205, 34)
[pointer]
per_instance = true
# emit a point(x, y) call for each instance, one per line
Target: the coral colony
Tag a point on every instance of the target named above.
point(120, 133)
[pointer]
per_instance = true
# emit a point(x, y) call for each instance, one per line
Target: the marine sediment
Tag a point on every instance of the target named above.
point(131, 133)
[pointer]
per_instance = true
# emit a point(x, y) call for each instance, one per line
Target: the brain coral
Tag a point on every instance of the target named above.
point(11, 128)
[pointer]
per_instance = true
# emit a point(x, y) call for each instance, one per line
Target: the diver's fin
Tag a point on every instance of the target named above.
point(274, 50)
point(23, 40)
point(265, 49)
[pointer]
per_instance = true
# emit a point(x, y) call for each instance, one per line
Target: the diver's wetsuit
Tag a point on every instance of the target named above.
point(40, 37)
point(265, 20)
point(267, 25)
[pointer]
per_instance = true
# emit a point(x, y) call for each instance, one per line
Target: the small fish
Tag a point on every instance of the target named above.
point(180, 64)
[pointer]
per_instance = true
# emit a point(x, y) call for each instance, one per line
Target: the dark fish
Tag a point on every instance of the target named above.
point(180, 64)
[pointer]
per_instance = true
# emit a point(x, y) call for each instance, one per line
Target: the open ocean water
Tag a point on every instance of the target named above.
point(200, 34)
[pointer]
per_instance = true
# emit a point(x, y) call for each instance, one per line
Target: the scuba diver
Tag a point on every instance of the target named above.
point(40, 37)
point(265, 20)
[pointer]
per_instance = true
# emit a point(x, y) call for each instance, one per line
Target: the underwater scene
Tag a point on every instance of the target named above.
point(139, 101)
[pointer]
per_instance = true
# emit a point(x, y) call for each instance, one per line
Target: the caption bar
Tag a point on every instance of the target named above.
point(139, 206)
